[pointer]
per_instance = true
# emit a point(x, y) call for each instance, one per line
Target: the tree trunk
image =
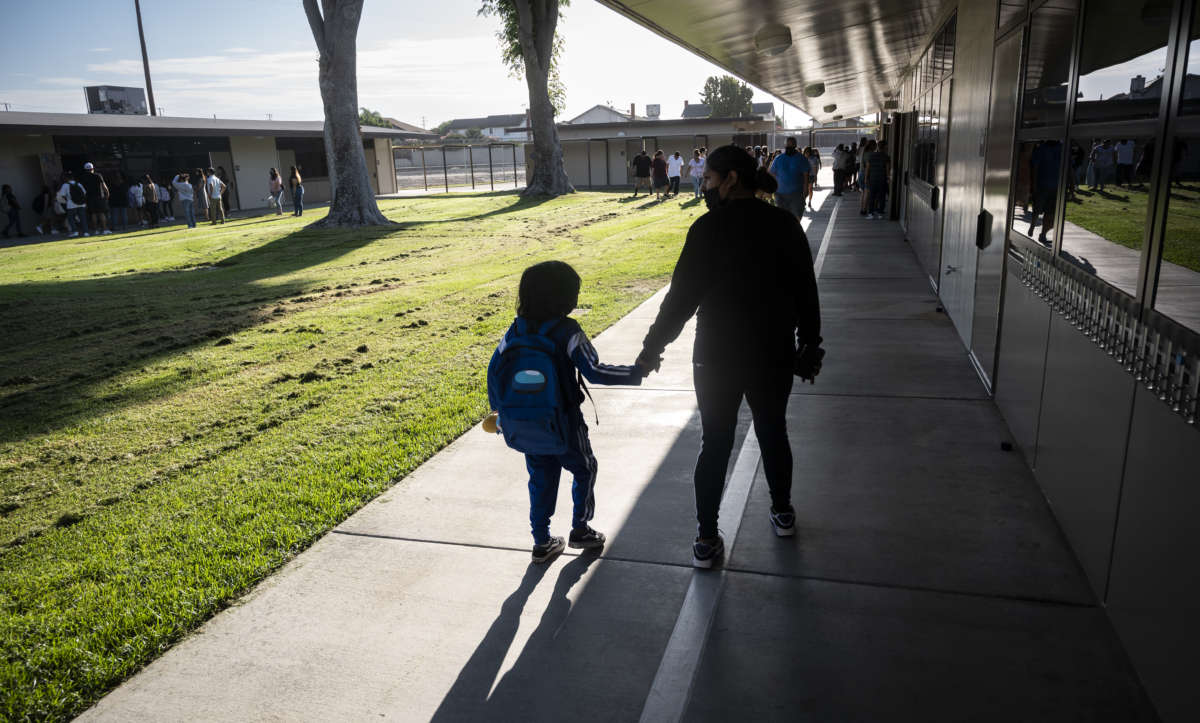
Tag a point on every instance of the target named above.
point(335, 29)
point(537, 20)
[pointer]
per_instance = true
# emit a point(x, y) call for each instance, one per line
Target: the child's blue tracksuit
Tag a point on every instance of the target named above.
point(577, 353)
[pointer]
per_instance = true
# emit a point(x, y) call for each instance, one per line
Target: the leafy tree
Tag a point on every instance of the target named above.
point(726, 96)
point(368, 117)
point(474, 134)
point(530, 47)
point(442, 128)
point(334, 25)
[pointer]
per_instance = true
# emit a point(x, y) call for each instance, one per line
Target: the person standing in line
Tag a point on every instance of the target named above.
point(118, 204)
point(166, 209)
point(183, 189)
point(97, 199)
point(1125, 150)
point(791, 171)
point(215, 188)
point(866, 149)
point(275, 190)
point(696, 172)
point(296, 184)
point(199, 197)
point(877, 168)
point(12, 209)
point(1103, 159)
point(150, 201)
point(74, 198)
point(852, 168)
point(43, 206)
point(1044, 164)
point(137, 200)
point(674, 171)
point(224, 193)
point(641, 173)
point(814, 162)
point(660, 180)
point(838, 158)
point(746, 273)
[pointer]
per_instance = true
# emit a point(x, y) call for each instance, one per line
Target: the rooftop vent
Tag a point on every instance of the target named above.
point(815, 90)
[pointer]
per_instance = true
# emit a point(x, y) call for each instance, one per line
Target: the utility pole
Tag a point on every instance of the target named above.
point(137, 8)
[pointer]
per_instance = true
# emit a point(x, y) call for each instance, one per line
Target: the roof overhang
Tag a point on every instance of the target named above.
point(859, 49)
point(102, 124)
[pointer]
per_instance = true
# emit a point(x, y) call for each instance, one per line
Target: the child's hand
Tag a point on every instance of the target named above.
point(646, 363)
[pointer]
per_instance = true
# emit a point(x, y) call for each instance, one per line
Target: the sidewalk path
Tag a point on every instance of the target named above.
point(928, 580)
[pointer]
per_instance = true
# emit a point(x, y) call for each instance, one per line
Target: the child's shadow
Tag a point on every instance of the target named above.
point(471, 696)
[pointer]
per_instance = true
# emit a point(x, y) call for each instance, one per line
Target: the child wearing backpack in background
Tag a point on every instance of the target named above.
point(534, 384)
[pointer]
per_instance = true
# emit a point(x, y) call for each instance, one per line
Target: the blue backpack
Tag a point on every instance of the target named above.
point(532, 404)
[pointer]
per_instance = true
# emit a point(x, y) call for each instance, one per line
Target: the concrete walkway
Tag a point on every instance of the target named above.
point(928, 580)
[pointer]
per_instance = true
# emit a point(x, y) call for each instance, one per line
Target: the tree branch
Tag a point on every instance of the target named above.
point(546, 27)
point(525, 33)
point(316, 24)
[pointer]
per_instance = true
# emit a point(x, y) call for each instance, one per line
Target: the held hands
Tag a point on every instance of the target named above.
point(647, 363)
point(807, 364)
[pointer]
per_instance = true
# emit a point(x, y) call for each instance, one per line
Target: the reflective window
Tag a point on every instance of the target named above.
point(1037, 179)
point(1122, 59)
point(1179, 273)
point(1191, 82)
point(1010, 10)
point(1105, 219)
point(1051, 35)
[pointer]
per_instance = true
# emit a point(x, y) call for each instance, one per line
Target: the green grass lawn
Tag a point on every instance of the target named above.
point(183, 411)
point(1119, 215)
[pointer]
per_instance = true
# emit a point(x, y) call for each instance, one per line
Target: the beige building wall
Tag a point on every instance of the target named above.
point(253, 158)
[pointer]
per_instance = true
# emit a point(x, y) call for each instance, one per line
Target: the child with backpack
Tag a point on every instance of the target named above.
point(535, 383)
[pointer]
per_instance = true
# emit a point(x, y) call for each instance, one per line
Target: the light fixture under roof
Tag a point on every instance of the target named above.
point(773, 39)
point(814, 90)
point(837, 117)
point(830, 108)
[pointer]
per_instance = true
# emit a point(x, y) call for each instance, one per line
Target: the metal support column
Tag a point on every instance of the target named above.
point(424, 175)
point(445, 174)
point(491, 172)
point(471, 162)
point(514, 149)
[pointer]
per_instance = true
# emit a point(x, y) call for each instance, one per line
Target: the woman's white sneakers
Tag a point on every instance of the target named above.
point(784, 522)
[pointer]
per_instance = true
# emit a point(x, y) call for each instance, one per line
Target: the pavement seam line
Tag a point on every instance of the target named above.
point(671, 690)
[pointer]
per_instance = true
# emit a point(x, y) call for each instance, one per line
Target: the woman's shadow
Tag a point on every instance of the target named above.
point(476, 693)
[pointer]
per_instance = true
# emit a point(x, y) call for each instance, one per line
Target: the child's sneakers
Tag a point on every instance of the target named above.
point(784, 521)
point(706, 552)
point(553, 547)
point(585, 538)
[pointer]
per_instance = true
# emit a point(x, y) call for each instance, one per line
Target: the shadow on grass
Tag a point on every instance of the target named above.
point(522, 203)
point(67, 337)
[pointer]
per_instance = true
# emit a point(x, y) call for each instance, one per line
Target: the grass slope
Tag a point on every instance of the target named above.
point(1118, 214)
point(181, 412)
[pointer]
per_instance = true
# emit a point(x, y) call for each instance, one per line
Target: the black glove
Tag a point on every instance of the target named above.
point(647, 363)
point(807, 364)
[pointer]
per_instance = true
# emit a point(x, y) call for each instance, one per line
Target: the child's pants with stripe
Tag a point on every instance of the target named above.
point(544, 472)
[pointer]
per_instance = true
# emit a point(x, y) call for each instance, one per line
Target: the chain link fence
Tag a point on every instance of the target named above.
point(494, 166)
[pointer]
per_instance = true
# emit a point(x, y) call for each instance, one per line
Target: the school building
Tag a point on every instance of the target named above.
point(35, 148)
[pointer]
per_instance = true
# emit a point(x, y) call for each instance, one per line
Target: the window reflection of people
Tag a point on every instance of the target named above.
point(1103, 160)
point(1044, 164)
point(1179, 153)
point(1076, 171)
point(1124, 150)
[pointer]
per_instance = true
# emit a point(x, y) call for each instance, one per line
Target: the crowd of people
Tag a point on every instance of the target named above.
point(863, 167)
point(87, 204)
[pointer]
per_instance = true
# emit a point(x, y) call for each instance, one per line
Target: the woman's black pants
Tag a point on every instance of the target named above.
point(719, 392)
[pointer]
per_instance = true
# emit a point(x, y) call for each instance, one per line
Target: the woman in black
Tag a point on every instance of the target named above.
point(658, 170)
point(747, 272)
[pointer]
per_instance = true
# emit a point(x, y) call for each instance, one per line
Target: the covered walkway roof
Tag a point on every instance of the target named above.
point(858, 48)
point(145, 125)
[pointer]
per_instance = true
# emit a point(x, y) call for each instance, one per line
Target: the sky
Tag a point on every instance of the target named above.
point(421, 62)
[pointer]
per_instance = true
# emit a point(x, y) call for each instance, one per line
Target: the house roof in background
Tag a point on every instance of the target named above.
point(608, 108)
point(106, 124)
point(701, 110)
point(409, 128)
point(491, 121)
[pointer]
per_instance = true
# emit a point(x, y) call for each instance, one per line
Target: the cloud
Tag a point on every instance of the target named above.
point(100, 50)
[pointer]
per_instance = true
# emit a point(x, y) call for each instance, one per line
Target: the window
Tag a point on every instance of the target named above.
point(1036, 190)
point(1191, 82)
point(310, 155)
point(1107, 201)
point(930, 78)
point(1010, 10)
point(1122, 59)
point(1179, 272)
point(1051, 35)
